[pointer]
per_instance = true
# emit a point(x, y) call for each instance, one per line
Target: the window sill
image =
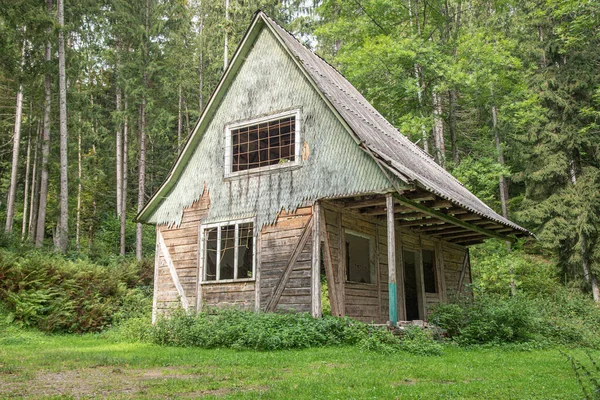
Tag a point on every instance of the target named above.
point(374, 285)
point(224, 281)
point(292, 165)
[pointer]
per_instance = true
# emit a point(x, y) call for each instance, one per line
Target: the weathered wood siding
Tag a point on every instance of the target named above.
point(182, 244)
point(278, 242)
point(369, 302)
point(230, 294)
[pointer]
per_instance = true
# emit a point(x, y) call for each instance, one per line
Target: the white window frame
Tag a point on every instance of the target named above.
point(229, 146)
point(203, 249)
point(372, 261)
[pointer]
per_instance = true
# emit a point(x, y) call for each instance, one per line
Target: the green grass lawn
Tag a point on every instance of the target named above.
point(33, 365)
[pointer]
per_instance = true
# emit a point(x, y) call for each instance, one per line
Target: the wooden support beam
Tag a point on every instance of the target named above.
point(410, 215)
point(439, 204)
point(334, 298)
point(287, 271)
point(458, 235)
point(463, 272)
point(366, 203)
point(469, 217)
point(391, 245)
point(420, 196)
point(315, 287)
point(421, 221)
point(447, 231)
point(167, 256)
point(453, 220)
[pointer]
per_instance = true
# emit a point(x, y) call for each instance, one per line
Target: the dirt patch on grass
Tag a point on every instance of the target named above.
point(111, 382)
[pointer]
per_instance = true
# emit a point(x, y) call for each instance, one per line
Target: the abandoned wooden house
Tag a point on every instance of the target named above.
point(290, 174)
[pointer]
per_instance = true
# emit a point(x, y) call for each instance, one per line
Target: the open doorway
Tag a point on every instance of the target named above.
point(411, 293)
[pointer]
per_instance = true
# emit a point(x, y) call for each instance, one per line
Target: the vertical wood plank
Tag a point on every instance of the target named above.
point(391, 238)
point(200, 274)
point(400, 262)
point(257, 253)
point(316, 263)
point(422, 301)
point(441, 270)
point(341, 265)
point(156, 266)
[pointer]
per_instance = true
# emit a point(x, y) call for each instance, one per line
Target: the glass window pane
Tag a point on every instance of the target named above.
point(245, 250)
point(358, 259)
point(210, 236)
point(227, 252)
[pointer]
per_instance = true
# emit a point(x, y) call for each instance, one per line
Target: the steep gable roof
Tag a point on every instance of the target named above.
point(392, 150)
point(399, 155)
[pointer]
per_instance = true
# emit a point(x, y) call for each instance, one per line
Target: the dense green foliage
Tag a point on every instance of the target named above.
point(268, 331)
point(53, 294)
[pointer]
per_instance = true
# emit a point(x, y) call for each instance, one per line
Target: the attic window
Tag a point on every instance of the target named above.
point(266, 143)
point(228, 251)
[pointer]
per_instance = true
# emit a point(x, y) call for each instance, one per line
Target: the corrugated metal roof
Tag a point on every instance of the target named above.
point(402, 157)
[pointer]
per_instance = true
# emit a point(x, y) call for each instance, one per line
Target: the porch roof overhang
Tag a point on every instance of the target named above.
point(423, 212)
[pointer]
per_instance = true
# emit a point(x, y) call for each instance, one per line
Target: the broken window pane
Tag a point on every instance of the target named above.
point(211, 254)
point(245, 250)
point(263, 144)
point(226, 265)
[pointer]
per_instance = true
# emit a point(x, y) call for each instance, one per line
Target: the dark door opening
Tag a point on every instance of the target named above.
point(411, 296)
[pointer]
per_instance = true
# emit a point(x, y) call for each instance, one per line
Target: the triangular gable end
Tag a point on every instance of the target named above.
point(363, 174)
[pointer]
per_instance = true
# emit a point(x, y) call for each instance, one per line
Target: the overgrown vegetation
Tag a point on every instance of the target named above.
point(54, 294)
point(543, 311)
point(231, 328)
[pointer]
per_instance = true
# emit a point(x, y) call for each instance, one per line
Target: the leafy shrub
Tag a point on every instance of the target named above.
point(249, 330)
point(269, 331)
point(486, 319)
point(56, 295)
point(565, 316)
point(420, 342)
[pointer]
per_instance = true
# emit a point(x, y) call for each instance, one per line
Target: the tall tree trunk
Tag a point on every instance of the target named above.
point(12, 190)
point(503, 182)
point(142, 157)
point(35, 187)
point(124, 183)
point(119, 155)
point(79, 189)
point(438, 130)
point(179, 121)
point(452, 125)
point(26, 192)
point(41, 219)
point(141, 179)
point(63, 228)
point(187, 119)
point(588, 275)
point(226, 46)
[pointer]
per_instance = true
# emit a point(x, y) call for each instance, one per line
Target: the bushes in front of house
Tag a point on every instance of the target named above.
point(565, 316)
point(232, 328)
point(54, 294)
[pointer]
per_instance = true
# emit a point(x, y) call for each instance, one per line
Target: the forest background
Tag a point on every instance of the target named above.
point(98, 97)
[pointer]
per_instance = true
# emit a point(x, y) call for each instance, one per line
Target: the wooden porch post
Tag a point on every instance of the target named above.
point(391, 244)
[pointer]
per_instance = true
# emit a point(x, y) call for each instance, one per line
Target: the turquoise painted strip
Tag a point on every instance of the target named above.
point(393, 304)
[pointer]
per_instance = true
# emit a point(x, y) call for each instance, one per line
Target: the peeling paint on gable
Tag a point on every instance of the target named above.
point(332, 163)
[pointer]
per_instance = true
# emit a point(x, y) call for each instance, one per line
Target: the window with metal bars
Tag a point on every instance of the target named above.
point(266, 143)
point(228, 251)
